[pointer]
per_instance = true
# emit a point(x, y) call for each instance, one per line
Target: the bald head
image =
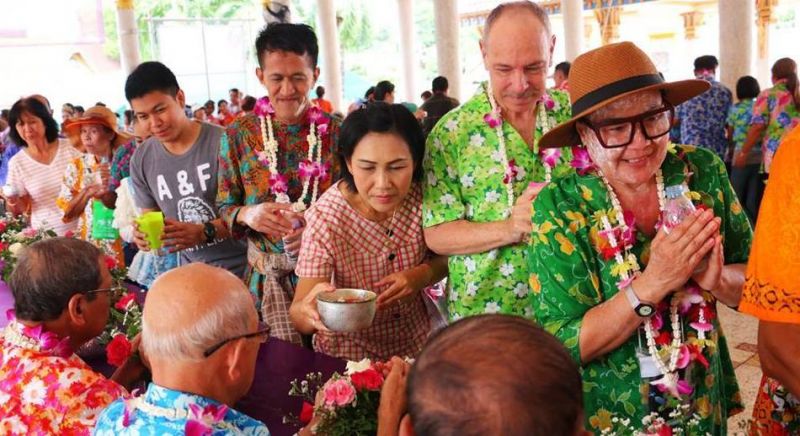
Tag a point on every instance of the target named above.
point(532, 387)
point(518, 11)
point(193, 307)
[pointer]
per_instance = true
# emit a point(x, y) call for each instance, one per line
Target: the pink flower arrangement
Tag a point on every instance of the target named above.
point(549, 103)
point(493, 119)
point(550, 156)
point(511, 172)
point(581, 160)
point(263, 107)
point(278, 183)
point(201, 420)
point(263, 158)
point(307, 169)
point(339, 393)
point(47, 341)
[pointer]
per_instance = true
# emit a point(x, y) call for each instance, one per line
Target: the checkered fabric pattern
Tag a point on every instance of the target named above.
point(277, 292)
point(357, 253)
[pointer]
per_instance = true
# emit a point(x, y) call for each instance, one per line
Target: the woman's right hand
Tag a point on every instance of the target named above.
point(304, 312)
point(675, 255)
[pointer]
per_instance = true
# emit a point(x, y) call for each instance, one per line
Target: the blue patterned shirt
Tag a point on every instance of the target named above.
point(739, 120)
point(703, 118)
point(148, 416)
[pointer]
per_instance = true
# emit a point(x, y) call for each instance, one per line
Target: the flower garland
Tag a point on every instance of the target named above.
point(35, 338)
point(627, 268)
point(199, 420)
point(308, 169)
point(549, 156)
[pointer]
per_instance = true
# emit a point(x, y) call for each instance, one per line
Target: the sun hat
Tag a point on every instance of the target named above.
point(94, 115)
point(607, 74)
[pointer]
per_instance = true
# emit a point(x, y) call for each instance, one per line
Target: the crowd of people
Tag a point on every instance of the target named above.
point(578, 240)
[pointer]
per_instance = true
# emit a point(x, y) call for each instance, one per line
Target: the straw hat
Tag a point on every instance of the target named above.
point(94, 115)
point(609, 73)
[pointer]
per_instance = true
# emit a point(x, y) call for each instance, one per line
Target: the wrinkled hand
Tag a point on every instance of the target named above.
point(400, 285)
point(307, 309)
point(675, 255)
point(520, 219)
point(179, 235)
point(710, 277)
point(267, 218)
point(94, 191)
point(393, 402)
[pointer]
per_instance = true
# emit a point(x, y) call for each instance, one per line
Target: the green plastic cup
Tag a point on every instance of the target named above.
point(152, 225)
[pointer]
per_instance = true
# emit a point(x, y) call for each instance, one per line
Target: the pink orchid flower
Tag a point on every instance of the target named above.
point(581, 160)
point(202, 419)
point(684, 358)
point(322, 129)
point(511, 172)
point(657, 321)
point(278, 183)
point(263, 107)
point(692, 295)
point(550, 156)
point(316, 116)
point(493, 119)
point(263, 158)
point(549, 103)
point(323, 170)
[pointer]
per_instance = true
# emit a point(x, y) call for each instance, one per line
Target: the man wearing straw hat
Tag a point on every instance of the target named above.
point(624, 280)
point(483, 160)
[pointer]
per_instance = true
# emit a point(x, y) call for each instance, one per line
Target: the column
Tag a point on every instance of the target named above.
point(276, 11)
point(406, 16)
point(447, 56)
point(572, 13)
point(608, 18)
point(329, 36)
point(763, 20)
point(691, 21)
point(128, 36)
point(736, 25)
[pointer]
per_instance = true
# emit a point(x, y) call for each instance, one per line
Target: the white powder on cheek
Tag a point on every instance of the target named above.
point(601, 156)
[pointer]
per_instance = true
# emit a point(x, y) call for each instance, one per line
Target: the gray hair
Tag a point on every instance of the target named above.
point(525, 5)
point(187, 342)
point(49, 272)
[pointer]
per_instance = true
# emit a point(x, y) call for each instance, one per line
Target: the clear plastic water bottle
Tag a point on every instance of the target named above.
point(677, 207)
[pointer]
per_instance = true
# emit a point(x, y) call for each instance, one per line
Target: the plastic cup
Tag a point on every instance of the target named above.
point(152, 225)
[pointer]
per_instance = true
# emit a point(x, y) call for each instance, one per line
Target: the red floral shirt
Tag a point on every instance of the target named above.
point(42, 393)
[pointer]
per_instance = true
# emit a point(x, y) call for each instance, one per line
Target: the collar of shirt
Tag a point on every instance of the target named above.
point(173, 399)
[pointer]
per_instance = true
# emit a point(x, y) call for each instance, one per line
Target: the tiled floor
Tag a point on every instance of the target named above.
point(742, 333)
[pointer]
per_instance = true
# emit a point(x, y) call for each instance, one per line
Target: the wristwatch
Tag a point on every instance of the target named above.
point(641, 308)
point(210, 231)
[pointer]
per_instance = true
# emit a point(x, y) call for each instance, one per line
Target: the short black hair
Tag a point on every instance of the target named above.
point(35, 107)
point(380, 117)
point(706, 62)
point(532, 388)
point(148, 77)
point(564, 68)
point(295, 38)
point(209, 102)
point(440, 84)
point(222, 101)
point(233, 90)
point(249, 103)
point(426, 94)
point(747, 87)
point(370, 90)
point(320, 91)
point(382, 88)
point(4, 114)
point(49, 272)
point(79, 108)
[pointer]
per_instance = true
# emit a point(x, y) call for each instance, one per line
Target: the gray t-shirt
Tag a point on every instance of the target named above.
point(184, 187)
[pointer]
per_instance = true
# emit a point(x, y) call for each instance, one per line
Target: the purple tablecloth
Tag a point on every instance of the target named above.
point(278, 363)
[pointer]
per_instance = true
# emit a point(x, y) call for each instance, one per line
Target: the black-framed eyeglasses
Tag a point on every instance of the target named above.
point(619, 132)
point(262, 333)
point(114, 291)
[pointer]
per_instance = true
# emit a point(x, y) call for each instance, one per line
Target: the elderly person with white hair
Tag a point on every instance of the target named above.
point(200, 334)
point(624, 277)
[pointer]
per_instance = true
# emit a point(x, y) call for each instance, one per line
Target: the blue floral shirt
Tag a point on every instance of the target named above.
point(147, 416)
point(739, 120)
point(702, 119)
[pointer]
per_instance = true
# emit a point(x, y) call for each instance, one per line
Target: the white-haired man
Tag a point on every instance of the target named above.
point(200, 334)
point(482, 159)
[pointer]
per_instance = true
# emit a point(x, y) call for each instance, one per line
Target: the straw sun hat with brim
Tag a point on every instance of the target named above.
point(607, 74)
point(94, 115)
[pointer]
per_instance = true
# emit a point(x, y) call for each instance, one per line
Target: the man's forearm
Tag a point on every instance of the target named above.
point(465, 237)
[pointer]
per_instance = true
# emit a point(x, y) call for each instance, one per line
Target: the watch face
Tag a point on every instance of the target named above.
point(644, 310)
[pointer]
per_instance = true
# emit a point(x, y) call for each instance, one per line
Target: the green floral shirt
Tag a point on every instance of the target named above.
point(569, 276)
point(464, 180)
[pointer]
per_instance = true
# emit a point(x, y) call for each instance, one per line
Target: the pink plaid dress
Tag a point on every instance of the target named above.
point(341, 244)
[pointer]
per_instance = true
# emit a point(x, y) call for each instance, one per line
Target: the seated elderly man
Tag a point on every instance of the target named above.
point(62, 291)
point(200, 334)
point(532, 388)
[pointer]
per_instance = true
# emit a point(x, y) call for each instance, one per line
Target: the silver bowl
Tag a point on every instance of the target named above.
point(340, 314)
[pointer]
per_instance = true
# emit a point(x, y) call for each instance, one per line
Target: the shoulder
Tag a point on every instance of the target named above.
point(330, 208)
point(144, 150)
point(246, 424)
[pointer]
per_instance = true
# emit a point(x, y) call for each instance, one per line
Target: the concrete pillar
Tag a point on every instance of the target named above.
point(572, 13)
point(736, 28)
point(276, 11)
point(407, 37)
point(447, 56)
point(608, 19)
point(329, 37)
point(764, 18)
point(128, 36)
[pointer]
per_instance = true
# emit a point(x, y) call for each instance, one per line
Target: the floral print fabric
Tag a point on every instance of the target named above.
point(569, 276)
point(775, 109)
point(42, 393)
point(702, 119)
point(464, 180)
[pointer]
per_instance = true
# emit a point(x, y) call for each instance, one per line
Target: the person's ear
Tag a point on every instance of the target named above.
point(260, 75)
point(76, 309)
point(316, 76)
point(181, 98)
point(482, 46)
point(406, 427)
point(234, 356)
